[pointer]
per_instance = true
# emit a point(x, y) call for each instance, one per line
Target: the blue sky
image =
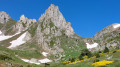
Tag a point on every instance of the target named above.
point(86, 16)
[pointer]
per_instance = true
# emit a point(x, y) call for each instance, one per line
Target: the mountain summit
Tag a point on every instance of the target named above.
point(51, 27)
point(55, 16)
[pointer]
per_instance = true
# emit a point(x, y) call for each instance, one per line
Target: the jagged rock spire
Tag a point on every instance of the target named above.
point(22, 17)
point(24, 23)
point(25, 19)
point(54, 15)
point(4, 17)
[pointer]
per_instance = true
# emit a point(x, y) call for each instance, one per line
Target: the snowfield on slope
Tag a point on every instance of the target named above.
point(28, 61)
point(116, 26)
point(3, 37)
point(46, 60)
point(90, 46)
point(44, 54)
point(18, 41)
point(0, 32)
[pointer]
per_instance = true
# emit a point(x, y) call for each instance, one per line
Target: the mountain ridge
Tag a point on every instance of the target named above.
point(52, 35)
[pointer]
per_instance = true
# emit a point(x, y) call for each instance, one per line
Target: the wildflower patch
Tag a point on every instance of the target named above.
point(102, 63)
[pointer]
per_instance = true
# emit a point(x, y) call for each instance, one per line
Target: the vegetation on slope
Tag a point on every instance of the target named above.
point(12, 58)
point(9, 26)
point(32, 29)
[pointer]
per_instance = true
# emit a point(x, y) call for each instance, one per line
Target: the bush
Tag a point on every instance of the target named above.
point(114, 51)
point(4, 57)
point(117, 47)
point(106, 50)
point(97, 55)
point(96, 60)
point(80, 57)
point(86, 52)
point(99, 52)
point(21, 65)
point(73, 59)
point(29, 66)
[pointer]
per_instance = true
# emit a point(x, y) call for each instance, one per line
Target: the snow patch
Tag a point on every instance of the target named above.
point(3, 37)
point(46, 60)
point(0, 32)
point(28, 61)
point(44, 54)
point(90, 46)
point(25, 60)
point(18, 41)
point(116, 26)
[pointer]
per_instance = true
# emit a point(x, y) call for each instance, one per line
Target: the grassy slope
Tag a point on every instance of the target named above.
point(87, 63)
point(8, 26)
point(30, 50)
point(15, 60)
point(32, 29)
point(6, 42)
point(71, 46)
point(28, 54)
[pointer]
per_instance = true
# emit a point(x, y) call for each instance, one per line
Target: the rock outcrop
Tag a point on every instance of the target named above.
point(4, 17)
point(109, 29)
point(108, 37)
point(6, 23)
point(24, 23)
point(51, 26)
point(26, 20)
point(52, 14)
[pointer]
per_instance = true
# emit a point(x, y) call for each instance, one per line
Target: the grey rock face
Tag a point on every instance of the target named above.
point(6, 23)
point(100, 35)
point(108, 37)
point(51, 25)
point(51, 34)
point(4, 17)
point(24, 23)
point(55, 16)
point(19, 27)
point(25, 19)
point(27, 37)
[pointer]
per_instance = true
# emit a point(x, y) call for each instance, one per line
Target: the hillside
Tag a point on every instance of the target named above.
point(52, 40)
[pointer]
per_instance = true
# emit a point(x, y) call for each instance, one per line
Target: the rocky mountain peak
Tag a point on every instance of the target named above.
point(25, 19)
point(52, 14)
point(24, 23)
point(55, 15)
point(22, 17)
point(4, 17)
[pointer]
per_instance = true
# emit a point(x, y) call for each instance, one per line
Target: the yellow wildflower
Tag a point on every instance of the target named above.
point(102, 63)
point(118, 50)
